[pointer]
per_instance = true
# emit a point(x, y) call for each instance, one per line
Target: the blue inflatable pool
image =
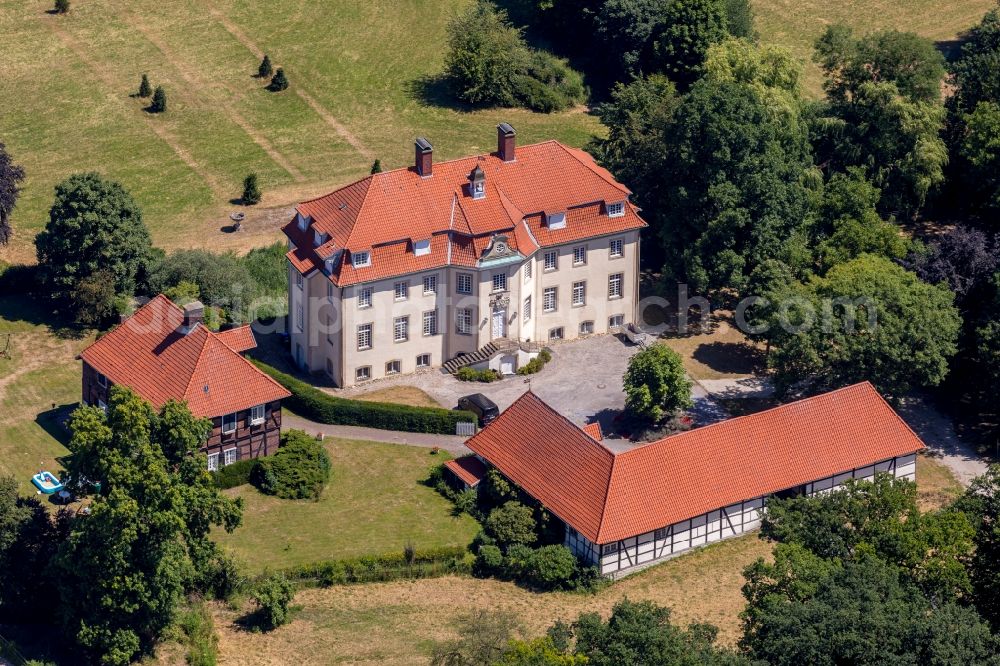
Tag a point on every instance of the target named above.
point(47, 483)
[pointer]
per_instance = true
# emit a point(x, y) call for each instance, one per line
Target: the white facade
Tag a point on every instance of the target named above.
point(627, 556)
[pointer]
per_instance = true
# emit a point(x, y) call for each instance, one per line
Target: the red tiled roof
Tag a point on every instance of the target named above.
point(607, 497)
point(469, 469)
point(238, 339)
point(594, 430)
point(391, 208)
point(149, 355)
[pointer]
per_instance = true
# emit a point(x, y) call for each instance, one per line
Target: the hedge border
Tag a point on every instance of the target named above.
point(310, 402)
point(429, 563)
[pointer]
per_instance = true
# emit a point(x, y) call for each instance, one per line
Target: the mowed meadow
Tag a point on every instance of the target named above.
point(364, 82)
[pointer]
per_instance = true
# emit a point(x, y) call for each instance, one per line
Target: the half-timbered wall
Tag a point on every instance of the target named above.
point(629, 555)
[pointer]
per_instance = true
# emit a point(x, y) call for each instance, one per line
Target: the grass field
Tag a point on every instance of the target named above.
point(397, 623)
point(356, 93)
point(374, 504)
point(403, 395)
point(720, 353)
point(796, 24)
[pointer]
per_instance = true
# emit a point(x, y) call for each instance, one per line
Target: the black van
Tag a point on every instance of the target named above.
point(481, 406)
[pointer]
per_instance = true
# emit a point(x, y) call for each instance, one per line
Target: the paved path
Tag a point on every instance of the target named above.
point(451, 443)
point(938, 433)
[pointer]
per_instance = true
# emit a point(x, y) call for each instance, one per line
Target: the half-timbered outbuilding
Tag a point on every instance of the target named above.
point(165, 352)
point(624, 511)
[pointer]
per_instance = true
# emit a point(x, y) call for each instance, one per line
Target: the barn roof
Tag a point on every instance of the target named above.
point(607, 496)
point(153, 356)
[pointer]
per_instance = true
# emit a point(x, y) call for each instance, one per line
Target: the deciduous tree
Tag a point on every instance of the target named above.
point(656, 384)
point(10, 176)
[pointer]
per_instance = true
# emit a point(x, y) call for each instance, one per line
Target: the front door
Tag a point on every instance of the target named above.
point(507, 365)
point(499, 324)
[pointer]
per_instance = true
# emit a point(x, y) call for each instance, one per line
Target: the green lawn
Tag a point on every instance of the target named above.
point(374, 504)
point(797, 23)
point(358, 72)
point(41, 374)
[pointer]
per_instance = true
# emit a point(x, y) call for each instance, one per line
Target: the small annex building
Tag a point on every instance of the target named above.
point(165, 352)
point(624, 511)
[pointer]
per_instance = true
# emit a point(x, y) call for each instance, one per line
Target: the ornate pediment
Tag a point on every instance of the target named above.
point(498, 248)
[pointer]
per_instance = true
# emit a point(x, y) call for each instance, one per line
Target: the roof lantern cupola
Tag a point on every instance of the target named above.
point(477, 183)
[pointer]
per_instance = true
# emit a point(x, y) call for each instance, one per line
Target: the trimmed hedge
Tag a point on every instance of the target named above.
point(299, 470)
point(470, 374)
point(311, 403)
point(235, 474)
point(380, 568)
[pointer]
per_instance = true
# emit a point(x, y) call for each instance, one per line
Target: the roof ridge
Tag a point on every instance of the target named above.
point(607, 496)
point(590, 166)
point(201, 353)
point(339, 189)
point(364, 199)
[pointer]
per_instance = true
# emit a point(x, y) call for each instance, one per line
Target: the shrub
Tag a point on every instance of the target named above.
point(380, 568)
point(272, 596)
point(251, 190)
point(299, 470)
point(512, 524)
point(199, 629)
point(551, 567)
point(265, 68)
point(238, 473)
point(376, 166)
point(311, 403)
point(159, 104)
point(548, 84)
point(279, 81)
point(535, 364)
point(469, 374)
point(145, 90)
point(61, 6)
point(489, 562)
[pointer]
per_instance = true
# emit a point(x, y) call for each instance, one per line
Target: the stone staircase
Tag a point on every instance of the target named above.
point(487, 352)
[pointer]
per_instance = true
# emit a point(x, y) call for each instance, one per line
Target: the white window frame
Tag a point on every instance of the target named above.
point(232, 419)
point(361, 259)
point(551, 261)
point(258, 414)
point(421, 247)
point(616, 209)
point(528, 269)
point(526, 310)
point(226, 455)
point(213, 462)
point(557, 333)
point(587, 327)
point(500, 278)
point(102, 380)
point(616, 248)
point(580, 255)
point(426, 364)
point(463, 283)
point(103, 406)
point(299, 280)
point(363, 373)
point(429, 321)
point(464, 321)
point(616, 283)
point(393, 367)
point(579, 293)
point(364, 298)
point(401, 287)
point(365, 330)
point(616, 321)
point(430, 284)
point(553, 304)
point(401, 328)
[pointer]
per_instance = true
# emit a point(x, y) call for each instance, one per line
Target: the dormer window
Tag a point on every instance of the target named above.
point(422, 247)
point(359, 259)
point(329, 265)
point(616, 209)
point(557, 220)
point(302, 221)
point(318, 238)
point(477, 183)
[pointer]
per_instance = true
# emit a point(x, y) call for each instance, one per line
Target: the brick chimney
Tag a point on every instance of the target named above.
point(424, 157)
point(506, 142)
point(194, 313)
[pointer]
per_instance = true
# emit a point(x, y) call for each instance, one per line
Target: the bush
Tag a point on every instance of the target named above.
point(548, 84)
point(535, 364)
point(272, 596)
point(61, 6)
point(265, 69)
point(512, 524)
point(159, 104)
point(251, 190)
point(311, 403)
point(380, 568)
point(469, 374)
point(279, 82)
point(551, 567)
point(145, 90)
point(489, 562)
point(199, 629)
point(238, 473)
point(299, 470)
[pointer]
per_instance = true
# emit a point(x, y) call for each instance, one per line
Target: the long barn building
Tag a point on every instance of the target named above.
point(624, 511)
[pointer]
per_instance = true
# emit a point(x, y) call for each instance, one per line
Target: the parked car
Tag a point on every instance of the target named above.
point(481, 406)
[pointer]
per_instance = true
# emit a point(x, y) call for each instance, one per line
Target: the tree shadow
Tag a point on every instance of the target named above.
point(433, 90)
point(33, 309)
point(53, 421)
point(731, 358)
